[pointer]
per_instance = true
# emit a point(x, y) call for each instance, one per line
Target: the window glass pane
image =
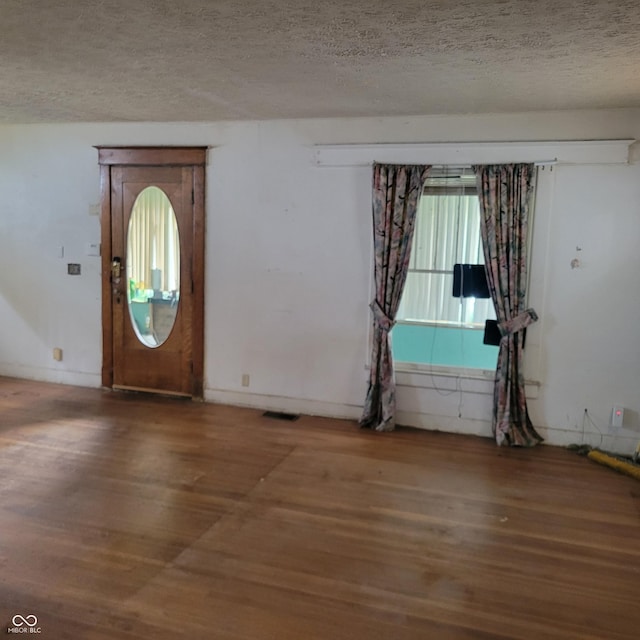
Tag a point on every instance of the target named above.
point(427, 297)
point(448, 346)
point(447, 232)
point(153, 267)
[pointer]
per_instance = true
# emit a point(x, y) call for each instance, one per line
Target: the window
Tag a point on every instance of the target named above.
point(432, 326)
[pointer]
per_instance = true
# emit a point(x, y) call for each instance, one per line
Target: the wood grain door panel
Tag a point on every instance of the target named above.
point(175, 366)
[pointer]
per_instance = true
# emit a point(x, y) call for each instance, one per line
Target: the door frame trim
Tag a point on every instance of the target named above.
point(195, 157)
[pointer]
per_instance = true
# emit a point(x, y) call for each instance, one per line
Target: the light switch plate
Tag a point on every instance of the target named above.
point(92, 249)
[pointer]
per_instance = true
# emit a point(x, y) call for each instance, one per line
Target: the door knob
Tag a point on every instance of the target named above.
point(116, 272)
point(116, 268)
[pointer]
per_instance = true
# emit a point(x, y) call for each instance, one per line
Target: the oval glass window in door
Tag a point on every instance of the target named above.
point(153, 267)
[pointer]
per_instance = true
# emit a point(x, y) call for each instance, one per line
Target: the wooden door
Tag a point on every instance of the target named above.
point(153, 324)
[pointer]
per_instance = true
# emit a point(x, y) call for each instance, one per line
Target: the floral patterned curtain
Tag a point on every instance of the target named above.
point(396, 190)
point(505, 194)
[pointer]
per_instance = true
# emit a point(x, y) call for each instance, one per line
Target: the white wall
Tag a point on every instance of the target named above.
point(288, 267)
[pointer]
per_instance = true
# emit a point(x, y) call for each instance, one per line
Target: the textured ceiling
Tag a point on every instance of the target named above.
point(190, 60)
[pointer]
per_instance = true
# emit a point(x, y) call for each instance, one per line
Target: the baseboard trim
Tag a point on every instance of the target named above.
point(622, 443)
point(431, 422)
point(283, 403)
point(56, 376)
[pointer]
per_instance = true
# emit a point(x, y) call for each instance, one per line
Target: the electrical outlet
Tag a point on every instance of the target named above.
point(245, 379)
point(57, 354)
point(73, 269)
point(617, 417)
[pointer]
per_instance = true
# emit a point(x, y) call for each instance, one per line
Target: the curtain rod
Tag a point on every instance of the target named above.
point(453, 166)
point(575, 152)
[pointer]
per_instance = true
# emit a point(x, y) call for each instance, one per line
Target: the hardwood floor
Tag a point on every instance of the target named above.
point(126, 516)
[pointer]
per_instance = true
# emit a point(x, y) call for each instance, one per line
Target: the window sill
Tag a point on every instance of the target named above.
point(426, 376)
point(475, 326)
point(444, 371)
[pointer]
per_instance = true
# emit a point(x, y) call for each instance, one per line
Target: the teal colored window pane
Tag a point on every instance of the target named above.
point(442, 345)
